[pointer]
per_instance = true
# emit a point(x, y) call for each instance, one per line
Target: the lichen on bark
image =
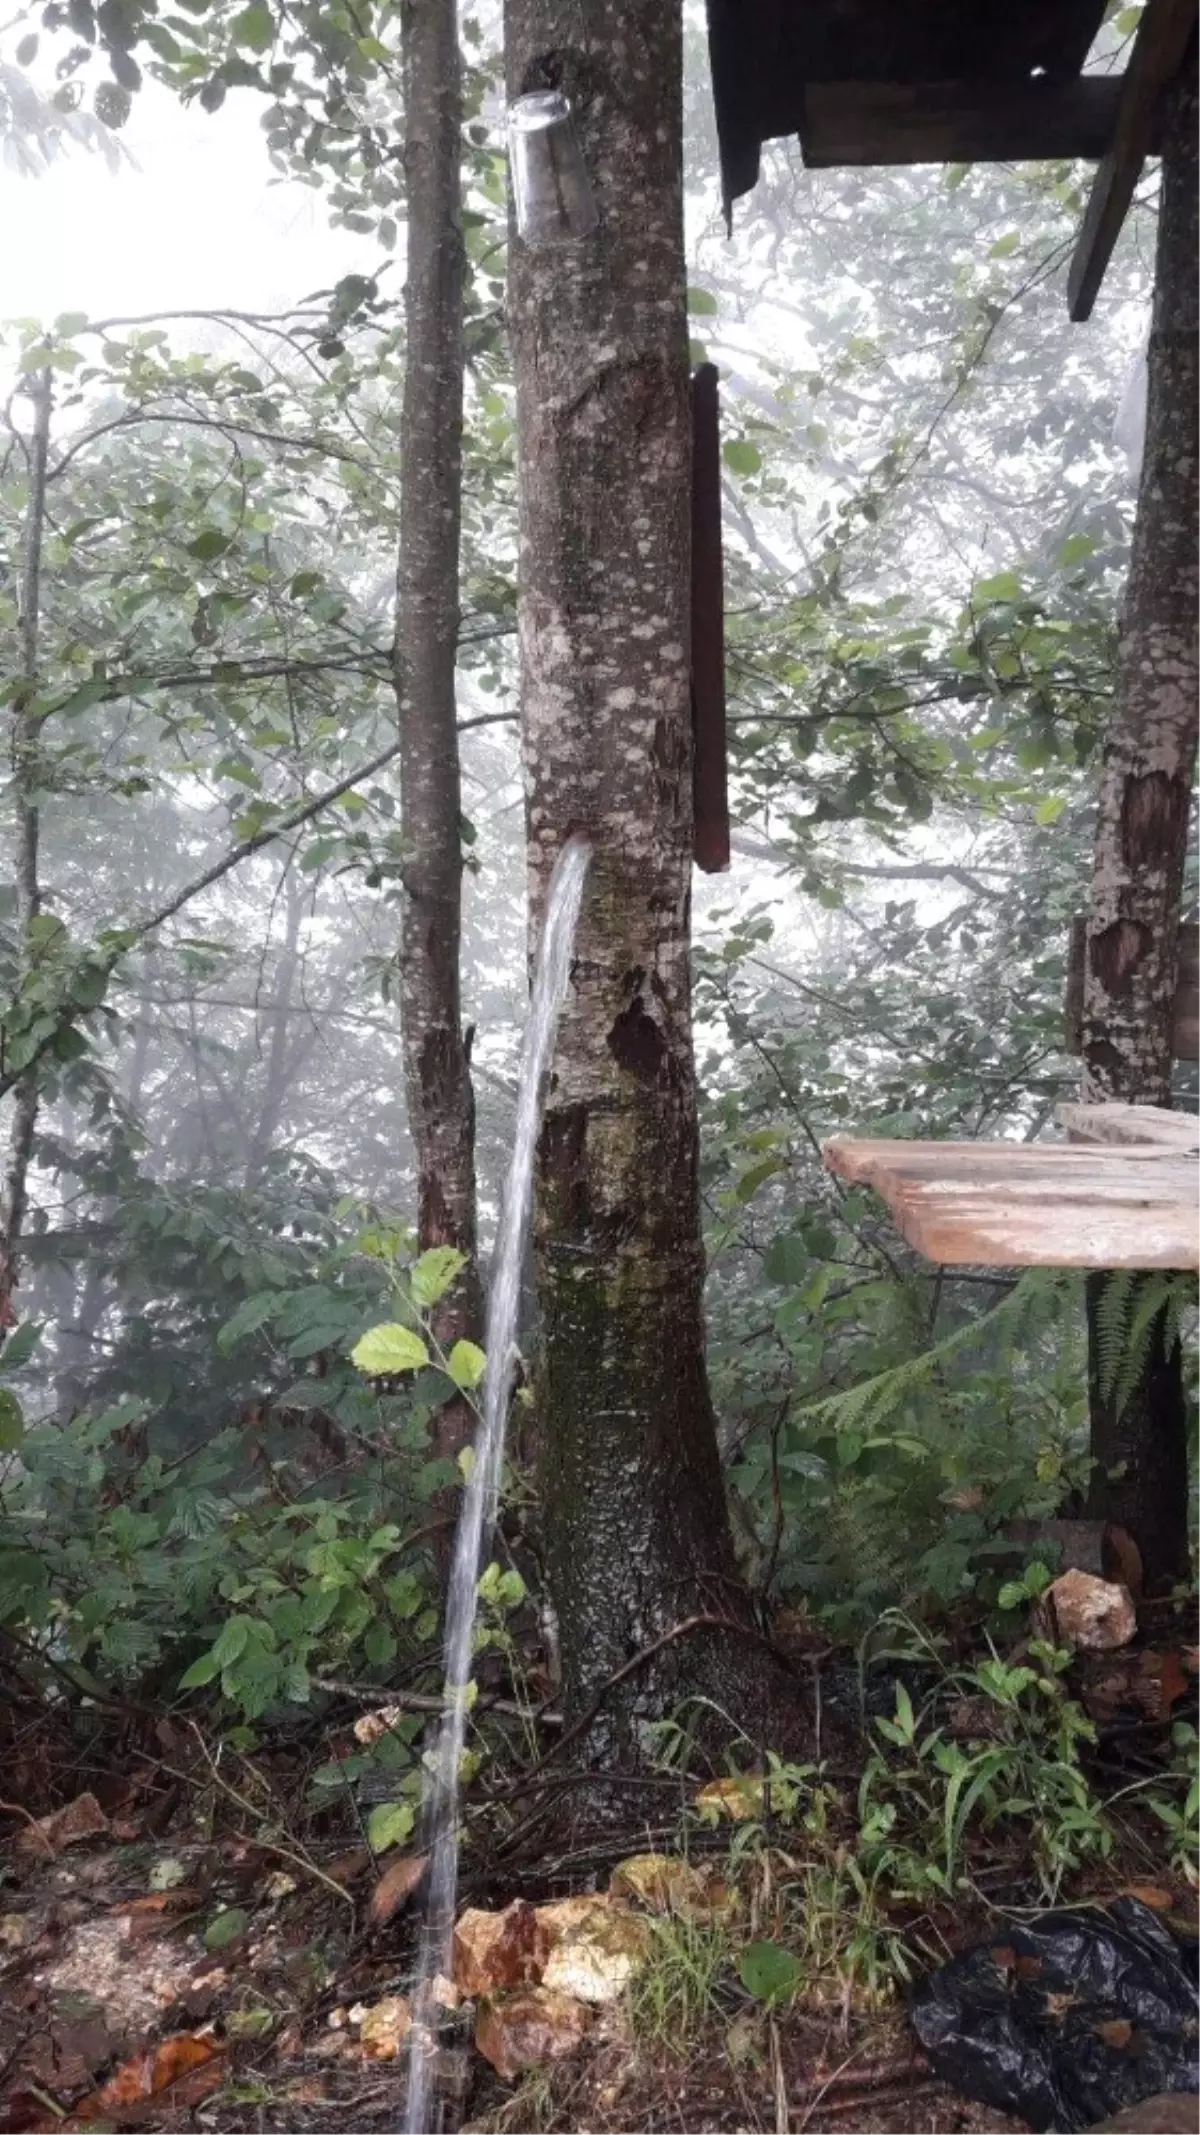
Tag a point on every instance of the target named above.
point(1139, 1476)
point(638, 1535)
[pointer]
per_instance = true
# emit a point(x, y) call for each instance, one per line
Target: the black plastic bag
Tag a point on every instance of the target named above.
point(1066, 2020)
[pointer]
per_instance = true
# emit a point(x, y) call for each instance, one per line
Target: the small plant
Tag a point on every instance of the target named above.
point(675, 1995)
point(921, 1810)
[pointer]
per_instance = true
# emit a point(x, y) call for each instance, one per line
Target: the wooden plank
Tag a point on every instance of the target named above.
point(1016, 1204)
point(984, 121)
point(1131, 1125)
point(1185, 1027)
point(1158, 53)
point(710, 754)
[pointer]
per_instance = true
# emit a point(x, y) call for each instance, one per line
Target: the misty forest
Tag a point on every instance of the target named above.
point(598, 1035)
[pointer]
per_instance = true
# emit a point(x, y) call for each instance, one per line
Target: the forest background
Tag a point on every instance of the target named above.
point(927, 515)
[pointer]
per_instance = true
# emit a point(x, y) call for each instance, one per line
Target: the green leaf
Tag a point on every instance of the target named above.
point(786, 1260)
point(1005, 586)
point(389, 1348)
point(226, 1928)
point(12, 1421)
point(466, 1364)
point(1005, 246)
point(1012, 1595)
point(20, 1345)
point(200, 1673)
point(254, 27)
point(701, 302)
point(1075, 548)
point(389, 1824)
point(741, 456)
point(209, 544)
point(232, 1641)
point(1049, 810)
point(750, 1181)
point(247, 1319)
point(433, 1274)
point(90, 692)
point(770, 1974)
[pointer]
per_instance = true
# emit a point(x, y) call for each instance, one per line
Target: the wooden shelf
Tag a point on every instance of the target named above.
point(1102, 1203)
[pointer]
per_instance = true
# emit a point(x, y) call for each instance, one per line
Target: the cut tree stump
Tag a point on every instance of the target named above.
point(1107, 1202)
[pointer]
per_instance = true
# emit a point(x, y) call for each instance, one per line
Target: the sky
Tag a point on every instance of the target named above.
point(197, 221)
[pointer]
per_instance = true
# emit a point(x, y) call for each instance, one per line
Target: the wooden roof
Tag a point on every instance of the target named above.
point(935, 81)
point(1106, 1202)
point(767, 53)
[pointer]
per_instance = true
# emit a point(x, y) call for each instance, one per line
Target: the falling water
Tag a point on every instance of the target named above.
point(478, 1513)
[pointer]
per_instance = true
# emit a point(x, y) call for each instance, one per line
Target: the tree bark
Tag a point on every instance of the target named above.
point(1139, 1476)
point(441, 1114)
point(24, 753)
point(638, 1539)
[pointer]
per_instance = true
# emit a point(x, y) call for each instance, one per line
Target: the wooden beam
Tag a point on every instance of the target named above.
point(1158, 53)
point(1034, 119)
point(1131, 1124)
point(710, 760)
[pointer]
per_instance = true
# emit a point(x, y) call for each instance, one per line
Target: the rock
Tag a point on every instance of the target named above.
point(385, 2027)
point(395, 1887)
point(370, 1727)
point(527, 2026)
point(1093, 1613)
point(663, 1884)
point(740, 1798)
point(1171, 2113)
point(1137, 1679)
point(496, 1950)
point(595, 1947)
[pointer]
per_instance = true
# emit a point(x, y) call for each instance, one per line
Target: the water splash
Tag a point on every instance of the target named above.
point(480, 1497)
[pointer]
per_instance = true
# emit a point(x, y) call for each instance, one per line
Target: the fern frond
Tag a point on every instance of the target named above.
point(1019, 1319)
point(1158, 1301)
point(1111, 1319)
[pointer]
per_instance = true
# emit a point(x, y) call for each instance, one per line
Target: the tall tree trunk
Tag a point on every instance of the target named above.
point(24, 753)
point(1140, 1454)
point(437, 1078)
point(638, 1540)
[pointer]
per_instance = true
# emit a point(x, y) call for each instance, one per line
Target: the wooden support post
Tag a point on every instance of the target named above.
point(710, 775)
point(1158, 54)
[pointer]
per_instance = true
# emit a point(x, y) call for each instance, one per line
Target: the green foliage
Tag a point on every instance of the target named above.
point(1132, 1310)
point(769, 1973)
point(675, 1992)
point(127, 1561)
point(929, 1801)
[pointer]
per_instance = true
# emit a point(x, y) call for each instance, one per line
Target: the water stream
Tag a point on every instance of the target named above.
point(478, 1515)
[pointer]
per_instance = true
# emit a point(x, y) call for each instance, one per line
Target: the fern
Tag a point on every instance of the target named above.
point(1017, 1321)
point(1131, 1309)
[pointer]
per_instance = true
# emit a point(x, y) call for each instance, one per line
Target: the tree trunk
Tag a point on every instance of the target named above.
point(24, 753)
point(638, 1539)
point(1140, 1454)
point(437, 1079)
